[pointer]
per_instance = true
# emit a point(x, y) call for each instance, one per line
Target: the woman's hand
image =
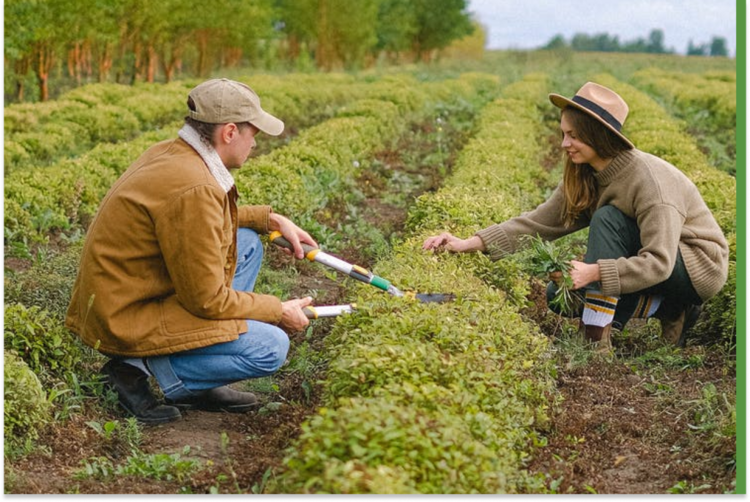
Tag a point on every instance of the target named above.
point(292, 317)
point(291, 232)
point(584, 274)
point(453, 244)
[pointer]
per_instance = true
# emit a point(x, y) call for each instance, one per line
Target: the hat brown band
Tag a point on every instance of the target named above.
point(604, 114)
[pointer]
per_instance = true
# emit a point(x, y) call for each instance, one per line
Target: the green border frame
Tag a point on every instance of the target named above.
point(741, 249)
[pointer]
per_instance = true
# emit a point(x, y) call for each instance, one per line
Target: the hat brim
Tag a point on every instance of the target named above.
point(562, 102)
point(268, 124)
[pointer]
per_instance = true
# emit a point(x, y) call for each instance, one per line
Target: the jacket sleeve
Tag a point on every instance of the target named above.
point(191, 235)
point(545, 221)
point(660, 227)
point(254, 217)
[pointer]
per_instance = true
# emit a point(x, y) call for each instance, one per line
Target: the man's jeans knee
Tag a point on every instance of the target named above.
point(259, 352)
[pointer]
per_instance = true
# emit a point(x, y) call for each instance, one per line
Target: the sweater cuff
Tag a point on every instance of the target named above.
point(609, 277)
point(496, 242)
point(255, 217)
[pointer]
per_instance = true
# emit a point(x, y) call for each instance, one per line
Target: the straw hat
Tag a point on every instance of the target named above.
point(221, 101)
point(603, 104)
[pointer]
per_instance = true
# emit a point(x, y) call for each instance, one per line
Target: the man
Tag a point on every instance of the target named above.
point(169, 264)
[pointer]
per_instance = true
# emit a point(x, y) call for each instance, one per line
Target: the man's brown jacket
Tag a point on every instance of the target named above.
point(159, 259)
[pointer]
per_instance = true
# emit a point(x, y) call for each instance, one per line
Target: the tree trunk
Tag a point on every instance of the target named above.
point(152, 60)
point(104, 63)
point(203, 57)
point(43, 64)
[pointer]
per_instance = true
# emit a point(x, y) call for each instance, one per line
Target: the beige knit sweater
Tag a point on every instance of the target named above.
point(669, 211)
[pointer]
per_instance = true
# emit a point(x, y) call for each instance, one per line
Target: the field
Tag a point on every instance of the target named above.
point(491, 393)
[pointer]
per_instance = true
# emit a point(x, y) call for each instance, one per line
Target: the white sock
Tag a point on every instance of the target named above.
point(138, 363)
point(647, 306)
point(599, 310)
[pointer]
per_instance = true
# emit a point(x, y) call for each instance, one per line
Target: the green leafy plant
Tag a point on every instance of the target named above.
point(27, 409)
point(547, 260)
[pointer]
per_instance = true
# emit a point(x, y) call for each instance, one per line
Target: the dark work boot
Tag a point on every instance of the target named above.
point(219, 399)
point(134, 393)
point(599, 335)
point(676, 323)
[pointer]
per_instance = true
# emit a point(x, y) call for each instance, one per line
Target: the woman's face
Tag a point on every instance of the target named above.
point(578, 151)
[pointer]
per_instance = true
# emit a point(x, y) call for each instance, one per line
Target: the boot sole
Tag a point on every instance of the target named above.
point(152, 421)
point(237, 408)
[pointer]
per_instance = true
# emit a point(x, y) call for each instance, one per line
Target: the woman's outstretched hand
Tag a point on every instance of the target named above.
point(449, 242)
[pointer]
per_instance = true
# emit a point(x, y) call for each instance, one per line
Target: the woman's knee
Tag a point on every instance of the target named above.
point(609, 217)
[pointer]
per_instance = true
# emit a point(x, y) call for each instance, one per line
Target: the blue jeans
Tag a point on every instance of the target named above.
point(258, 352)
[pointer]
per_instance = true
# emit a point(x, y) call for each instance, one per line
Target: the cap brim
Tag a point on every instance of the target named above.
point(562, 102)
point(269, 124)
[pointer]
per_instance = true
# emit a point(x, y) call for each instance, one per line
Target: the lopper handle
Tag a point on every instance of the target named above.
point(328, 311)
point(281, 241)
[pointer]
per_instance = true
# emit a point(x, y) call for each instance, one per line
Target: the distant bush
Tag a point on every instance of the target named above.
point(26, 409)
point(41, 340)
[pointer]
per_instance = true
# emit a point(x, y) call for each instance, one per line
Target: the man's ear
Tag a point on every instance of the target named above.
point(227, 132)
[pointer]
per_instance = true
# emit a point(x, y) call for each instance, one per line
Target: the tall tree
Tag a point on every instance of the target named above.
point(439, 22)
point(397, 27)
point(719, 47)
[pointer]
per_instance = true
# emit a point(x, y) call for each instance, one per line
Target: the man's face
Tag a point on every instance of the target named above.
point(240, 147)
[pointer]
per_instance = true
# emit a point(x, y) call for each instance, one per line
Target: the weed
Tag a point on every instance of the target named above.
point(547, 260)
point(684, 487)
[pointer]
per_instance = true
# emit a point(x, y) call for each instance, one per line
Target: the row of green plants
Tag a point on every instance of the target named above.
point(39, 134)
point(299, 182)
point(63, 197)
point(707, 102)
point(325, 161)
point(653, 130)
point(440, 398)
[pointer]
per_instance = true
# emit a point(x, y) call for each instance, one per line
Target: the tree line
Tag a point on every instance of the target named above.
point(653, 44)
point(128, 41)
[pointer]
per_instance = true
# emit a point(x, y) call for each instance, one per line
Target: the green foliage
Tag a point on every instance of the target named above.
point(158, 466)
point(435, 398)
point(545, 259)
point(26, 410)
point(42, 342)
point(48, 283)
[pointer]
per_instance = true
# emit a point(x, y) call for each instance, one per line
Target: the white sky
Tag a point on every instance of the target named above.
point(530, 24)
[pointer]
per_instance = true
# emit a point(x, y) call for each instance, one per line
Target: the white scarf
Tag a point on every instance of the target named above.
point(209, 156)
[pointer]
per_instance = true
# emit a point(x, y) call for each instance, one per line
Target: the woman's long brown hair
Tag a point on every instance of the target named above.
point(579, 185)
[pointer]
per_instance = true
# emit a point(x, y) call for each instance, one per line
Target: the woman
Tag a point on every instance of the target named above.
point(654, 248)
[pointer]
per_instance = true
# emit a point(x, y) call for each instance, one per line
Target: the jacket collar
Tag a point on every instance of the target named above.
point(210, 157)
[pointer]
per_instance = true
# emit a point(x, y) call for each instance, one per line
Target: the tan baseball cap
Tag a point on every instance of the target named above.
point(220, 101)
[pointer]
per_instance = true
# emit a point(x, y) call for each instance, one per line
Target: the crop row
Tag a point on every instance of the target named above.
point(652, 129)
point(37, 134)
point(440, 398)
point(711, 93)
point(64, 196)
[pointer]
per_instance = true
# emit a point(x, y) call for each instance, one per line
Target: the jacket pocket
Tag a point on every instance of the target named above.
point(175, 320)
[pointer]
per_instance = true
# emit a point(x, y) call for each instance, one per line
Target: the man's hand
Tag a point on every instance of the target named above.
point(292, 317)
point(452, 243)
point(294, 234)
